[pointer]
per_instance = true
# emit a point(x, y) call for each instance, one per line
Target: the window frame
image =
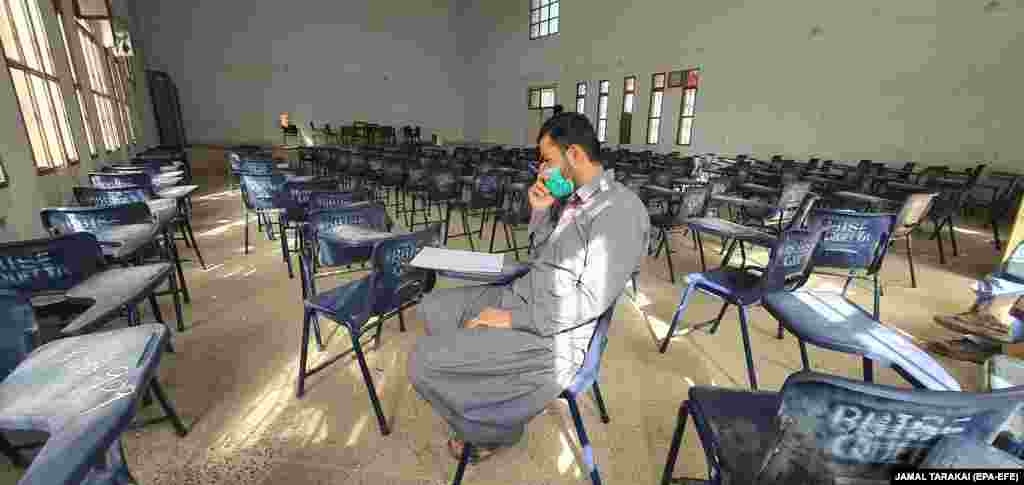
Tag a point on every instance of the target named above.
point(64, 136)
point(76, 82)
point(603, 91)
point(661, 105)
point(695, 89)
point(581, 97)
point(627, 91)
point(540, 96)
point(540, 6)
point(86, 33)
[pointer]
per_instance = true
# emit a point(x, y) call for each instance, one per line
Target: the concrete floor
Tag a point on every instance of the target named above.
point(233, 378)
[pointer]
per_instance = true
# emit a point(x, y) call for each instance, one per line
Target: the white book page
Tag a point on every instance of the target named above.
point(456, 260)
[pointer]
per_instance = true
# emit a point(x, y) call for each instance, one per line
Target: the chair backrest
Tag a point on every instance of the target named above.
point(591, 368)
point(50, 264)
point(18, 330)
point(390, 282)
point(93, 196)
point(691, 205)
point(258, 191)
point(68, 220)
point(258, 167)
point(833, 430)
point(295, 194)
point(320, 200)
point(791, 260)
point(914, 210)
point(851, 240)
point(118, 180)
point(332, 252)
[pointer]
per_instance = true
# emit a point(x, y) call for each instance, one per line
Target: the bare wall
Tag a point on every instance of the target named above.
point(239, 65)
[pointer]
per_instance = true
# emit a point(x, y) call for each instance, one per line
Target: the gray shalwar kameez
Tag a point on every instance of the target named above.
point(487, 383)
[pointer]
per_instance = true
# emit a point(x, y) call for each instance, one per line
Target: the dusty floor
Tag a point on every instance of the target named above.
point(233, 378)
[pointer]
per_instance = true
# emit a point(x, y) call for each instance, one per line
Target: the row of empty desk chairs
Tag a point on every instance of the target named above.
point(66, 373)
point(804, 227)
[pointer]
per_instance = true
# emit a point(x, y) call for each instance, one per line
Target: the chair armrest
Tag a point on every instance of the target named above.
point(509, 273)
point(112, 290)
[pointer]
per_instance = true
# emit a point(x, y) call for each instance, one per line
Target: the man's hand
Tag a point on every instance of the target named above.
point(539, 195)
point(491, 317)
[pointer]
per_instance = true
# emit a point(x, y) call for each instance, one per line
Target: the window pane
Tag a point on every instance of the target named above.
point(581, 89)
point(534, 3)
point(685, 131)
point(7, 35)
point(28, 112)
point(534, 16)
point(128, 123)
point(534, 98)
point(602, 107)
point(604, 86)
point(553, 29)
point(43, 42)
point(554, 10)
point(627, 104)
point(581, 104)
point(545, 13)
point(692, 78)
point(547, 98)
point(656, 104)
point(543, 29)
point(85, 122)
point(48, 118)
point(630, 84)
point(24, 34)
point(659, 81)
point(62, 121)
point(534, 31)
point(689, 97)
point(652, 130)
point(67, 50)
point(602, 130)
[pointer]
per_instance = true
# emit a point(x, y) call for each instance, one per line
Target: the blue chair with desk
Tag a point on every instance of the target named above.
point(81, 391)
point(827, 429)
point(363, 305)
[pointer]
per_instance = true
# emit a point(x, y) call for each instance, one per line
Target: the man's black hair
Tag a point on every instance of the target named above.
point(572, 129)
point(557, 110)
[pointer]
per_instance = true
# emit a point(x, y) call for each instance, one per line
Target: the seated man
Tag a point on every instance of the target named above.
point(495, 355)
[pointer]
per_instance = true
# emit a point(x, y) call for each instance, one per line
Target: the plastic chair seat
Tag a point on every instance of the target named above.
point(742, 424)
point(736, 285)
point(122, 241)
point(112, 290)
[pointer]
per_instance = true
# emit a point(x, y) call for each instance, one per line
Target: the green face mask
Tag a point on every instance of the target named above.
point(560, 187)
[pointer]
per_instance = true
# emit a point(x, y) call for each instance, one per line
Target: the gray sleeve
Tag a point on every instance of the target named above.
point(615, 248)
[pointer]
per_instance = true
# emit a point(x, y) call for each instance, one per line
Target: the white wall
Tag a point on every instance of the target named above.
point(924, 80)
point(238, 65)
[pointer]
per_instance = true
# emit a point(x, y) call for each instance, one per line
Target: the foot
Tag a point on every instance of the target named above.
point(479, 453)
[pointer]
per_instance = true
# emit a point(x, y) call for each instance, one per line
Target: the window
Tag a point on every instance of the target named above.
point(685, 134)
point(654, 116)
point(30, 62)
point(626, 121)
point(541, 98)
point(100, 86)
point(602, 111)
point(119, 70)
point(77, 85)
point(543, 18)
point(581, 97)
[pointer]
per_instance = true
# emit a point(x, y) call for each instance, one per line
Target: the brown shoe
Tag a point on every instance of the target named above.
point(962, 349)
point(976, 323)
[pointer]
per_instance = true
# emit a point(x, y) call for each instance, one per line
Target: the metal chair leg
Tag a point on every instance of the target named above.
point(12, 454)
point(804, 358)
point(358, 348)
point(285, 251)
point(910, 260)
point(745, 332)
point(599, 400)
point(581, 433)
point(467, 451)
point(668, 255)
point(195, 244)
point(300, 388)
point(952, 235)
point(245, 245)
point(168, 408)
point(869, 370)
point(677, 441)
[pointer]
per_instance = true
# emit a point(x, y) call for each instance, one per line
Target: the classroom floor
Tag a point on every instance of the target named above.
point(233, 377)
